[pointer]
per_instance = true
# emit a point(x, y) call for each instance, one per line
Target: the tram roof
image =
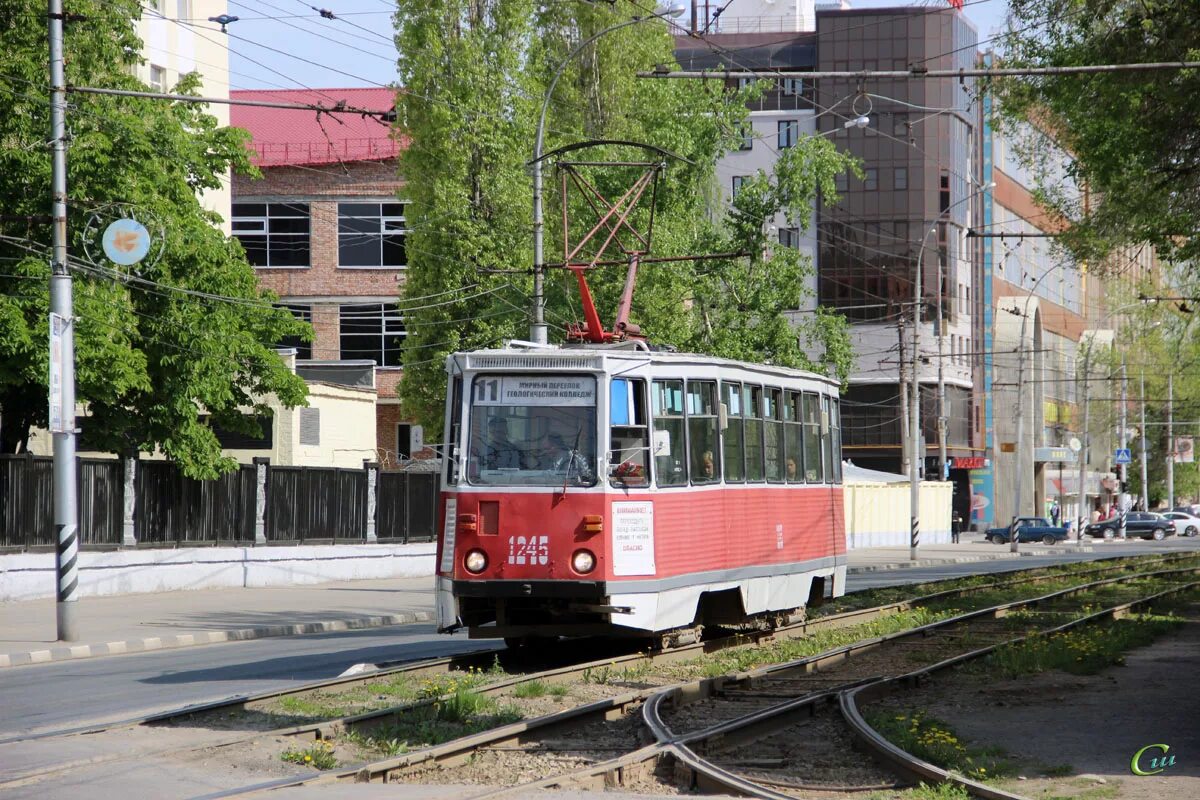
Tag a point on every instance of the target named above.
point(594, 357)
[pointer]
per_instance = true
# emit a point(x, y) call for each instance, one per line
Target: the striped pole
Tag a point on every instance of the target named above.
point(914, 537)
point(62, 348)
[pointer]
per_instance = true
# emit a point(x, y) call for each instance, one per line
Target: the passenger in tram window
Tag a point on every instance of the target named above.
point(499, 451)
point(707, 467)
point(791, 469)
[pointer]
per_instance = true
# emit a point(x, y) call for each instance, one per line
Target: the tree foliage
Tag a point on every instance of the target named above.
point(156, 366)
point(474, 73)
point(1132, 135)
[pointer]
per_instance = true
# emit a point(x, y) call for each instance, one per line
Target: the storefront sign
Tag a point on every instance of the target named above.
point(1061, 454)
point(969, 462)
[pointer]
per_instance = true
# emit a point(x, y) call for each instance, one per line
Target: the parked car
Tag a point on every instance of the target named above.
point(1139, 524)
point(1185, 524)
point(1029, 529)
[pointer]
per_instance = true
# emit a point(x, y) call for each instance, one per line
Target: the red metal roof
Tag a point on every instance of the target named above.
point(284, 136)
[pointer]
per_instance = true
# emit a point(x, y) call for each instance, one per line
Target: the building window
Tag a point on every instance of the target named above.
point(158, 78)
point(870, 179)
point(374, 331)
point(747, 142)
point(901, 178)
point(158, 6)
point(273, 234)
point(183, 9)
point(791, 86)
point(371, 235)
point(790, 237)
point(303, 348)
point(944, 194)
point(310, 426)
point(738, 180)
point(404, 441)
point(789, 129)
point(840, 183)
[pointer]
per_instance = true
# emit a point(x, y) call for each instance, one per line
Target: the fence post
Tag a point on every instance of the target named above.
point(129, 501)
point(372, 468)
point(260, 499)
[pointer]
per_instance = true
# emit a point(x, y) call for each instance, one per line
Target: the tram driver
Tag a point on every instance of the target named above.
point(555, 455)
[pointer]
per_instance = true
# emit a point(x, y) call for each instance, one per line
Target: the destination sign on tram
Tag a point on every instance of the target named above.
point(535, 390)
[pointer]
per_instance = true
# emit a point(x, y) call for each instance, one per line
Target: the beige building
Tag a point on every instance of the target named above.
point(177, 39)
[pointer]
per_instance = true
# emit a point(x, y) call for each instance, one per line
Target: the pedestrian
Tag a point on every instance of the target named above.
point(955, 527)
point(1055, 511)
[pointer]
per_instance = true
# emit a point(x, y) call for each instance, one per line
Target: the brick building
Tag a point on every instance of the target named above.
point(324, 228)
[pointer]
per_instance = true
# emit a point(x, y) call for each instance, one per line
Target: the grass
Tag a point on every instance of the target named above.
point(319, 756)
point(1080, 651)
point(934, 741)
point(941, 791)
point(461, 714)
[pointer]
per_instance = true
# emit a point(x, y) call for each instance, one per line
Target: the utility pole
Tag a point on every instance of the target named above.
point(906, 445)
point(1124, 443)
point(1170, 440)
point(942, 422)
point(1083, 452)
point(62, 348)
point(915, 451)
point(1145, 488)
point(1013, 544)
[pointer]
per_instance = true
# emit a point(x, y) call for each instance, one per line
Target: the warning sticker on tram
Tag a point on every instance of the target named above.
point(535, 390)
point(633, 538)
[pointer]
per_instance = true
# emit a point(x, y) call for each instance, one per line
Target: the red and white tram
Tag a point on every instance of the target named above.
point(616, 491)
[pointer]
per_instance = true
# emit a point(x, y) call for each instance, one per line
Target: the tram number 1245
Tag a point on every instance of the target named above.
point(529, 550)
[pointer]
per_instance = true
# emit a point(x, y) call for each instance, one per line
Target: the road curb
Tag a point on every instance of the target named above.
point(148, 644)
point(937, 562)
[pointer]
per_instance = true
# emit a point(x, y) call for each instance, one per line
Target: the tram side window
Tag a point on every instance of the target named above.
point(793, 415)
point(814, 472)
point(733, 440)
point(455, 432)
point(752, 403)
point(773, 434)
point(629, 459)
point(669, 444)
point(835, 427)
point(702, 431)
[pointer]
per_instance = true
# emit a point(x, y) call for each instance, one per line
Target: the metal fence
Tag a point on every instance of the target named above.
point(302, 504)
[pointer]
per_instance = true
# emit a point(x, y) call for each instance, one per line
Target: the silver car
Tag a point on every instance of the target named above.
point(1185, 524)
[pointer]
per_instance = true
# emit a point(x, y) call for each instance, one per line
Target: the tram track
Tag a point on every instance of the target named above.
point(575, 746)
point(618, 706)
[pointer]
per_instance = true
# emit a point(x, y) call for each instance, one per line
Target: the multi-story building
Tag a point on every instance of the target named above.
point(324, 227)
point(178, 40)
point(920, 195)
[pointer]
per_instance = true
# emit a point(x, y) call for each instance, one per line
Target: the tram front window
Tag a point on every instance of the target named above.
point(533, 430)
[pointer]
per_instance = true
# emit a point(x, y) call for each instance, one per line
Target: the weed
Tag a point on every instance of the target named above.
point(530, 689)
point(941, 791)
point(319, 756)
point(934, 741)
point(1081, 651)
point(558, 691)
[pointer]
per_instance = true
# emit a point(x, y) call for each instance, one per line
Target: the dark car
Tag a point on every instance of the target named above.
point(1138, 524)
point(1030, 529)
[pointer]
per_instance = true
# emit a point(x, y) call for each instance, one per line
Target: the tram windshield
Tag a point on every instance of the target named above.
point(532, 430)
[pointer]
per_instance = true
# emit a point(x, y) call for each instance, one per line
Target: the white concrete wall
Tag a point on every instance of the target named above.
point(764, 16)
point(877, 514)
point(177, 36)
point(30, 576)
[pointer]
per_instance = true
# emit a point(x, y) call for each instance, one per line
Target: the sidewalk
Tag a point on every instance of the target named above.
point(142, 622)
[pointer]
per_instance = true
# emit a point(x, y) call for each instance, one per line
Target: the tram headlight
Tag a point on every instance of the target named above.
point(475, 561)
point(583, 561)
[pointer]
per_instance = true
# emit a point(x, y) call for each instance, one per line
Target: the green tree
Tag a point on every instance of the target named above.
point(474, 73)
point(1131, 134)
point(156, 366)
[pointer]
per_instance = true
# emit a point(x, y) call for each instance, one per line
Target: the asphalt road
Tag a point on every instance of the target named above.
point(72, 693)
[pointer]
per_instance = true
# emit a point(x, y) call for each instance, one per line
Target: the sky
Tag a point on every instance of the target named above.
point(285, 44)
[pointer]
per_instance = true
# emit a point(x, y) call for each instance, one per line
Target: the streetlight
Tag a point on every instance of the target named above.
point(914, 404)
point(537, 330)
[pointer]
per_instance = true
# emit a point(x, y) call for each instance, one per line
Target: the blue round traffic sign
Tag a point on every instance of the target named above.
point(126, 242)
